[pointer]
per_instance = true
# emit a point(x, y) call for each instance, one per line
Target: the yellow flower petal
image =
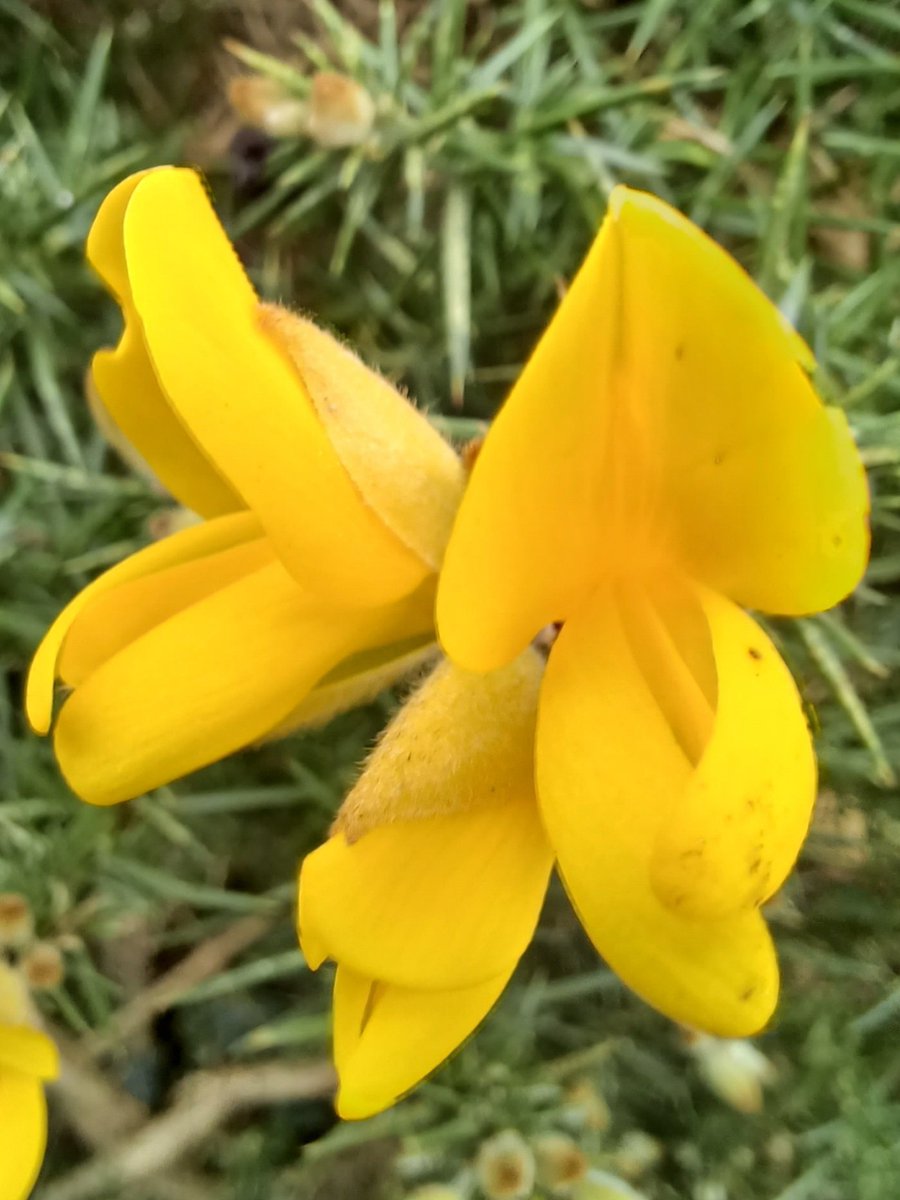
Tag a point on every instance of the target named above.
point(185, 546)
point(765, 485)
point(444, 902)
point(460, 742)
point(387, 1039)
point(118, 616)
point(401, 465)
point(210, 680)
point(358, 681)
point(612, 767)
point(530, 529)
point(128, 389)
point(28, 1051)
point(731, 839)
point(244, 402)
point(23, 1133)
point(438, 869)
point(665, 418)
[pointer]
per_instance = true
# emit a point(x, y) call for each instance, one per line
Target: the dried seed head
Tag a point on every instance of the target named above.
point(264, 104)
point(734, 1069)
point(561, 1163)
point(16, 921)
point(341, 112)
point(43, 967)
point(505, 1167)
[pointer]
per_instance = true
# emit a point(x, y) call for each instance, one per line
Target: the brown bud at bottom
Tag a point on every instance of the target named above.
point(16, 921)
point(505, 1167)
point(43, 967)
point(264, 104)
point(561, 1163)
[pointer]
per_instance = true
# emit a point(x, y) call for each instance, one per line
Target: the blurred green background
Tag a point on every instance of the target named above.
point(195, 1041)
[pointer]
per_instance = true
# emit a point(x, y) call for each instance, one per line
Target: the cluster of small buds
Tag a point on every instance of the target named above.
point(38, 964)
point(338, 112)
point(734, 1069)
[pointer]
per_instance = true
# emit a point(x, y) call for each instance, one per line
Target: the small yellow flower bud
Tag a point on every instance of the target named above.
point(341, 112)
point(734, 1069)
point(505, 1167)
point(637, 1153)
point(266, 105)
point(16, 921)
point(43, 967)
point(561, 1163)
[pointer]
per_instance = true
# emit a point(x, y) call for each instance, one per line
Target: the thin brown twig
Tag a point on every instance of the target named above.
point(204, 1101)
point(206, 960)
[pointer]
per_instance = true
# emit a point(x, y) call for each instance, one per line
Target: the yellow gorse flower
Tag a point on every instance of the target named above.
point(27, 1058)
point(327, 501)
point(662, 463)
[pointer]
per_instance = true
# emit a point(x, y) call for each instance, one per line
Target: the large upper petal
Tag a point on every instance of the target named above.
point(674, 811)
point(764, 485)
point(530, 529)
point(437, 873)
point(237, 392)
point(187, 546)
point(667, 415)
point(212, 678)
point(388, 1038)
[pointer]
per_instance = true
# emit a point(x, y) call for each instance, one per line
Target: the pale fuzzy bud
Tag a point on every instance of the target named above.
point(588, 1106)
point(16, 921)
point(734, 1069)
point(43, 967)
point(341, 112)
point(637, 1153)
point(263, 103)
point(561, 1163)
point(600, 1185)
point(505, 1167)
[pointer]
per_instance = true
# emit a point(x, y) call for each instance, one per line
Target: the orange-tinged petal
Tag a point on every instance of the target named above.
point(530, 530)
point(28, 1051)
point(118, 616)
point(400, 464)
point(611, 770)
point(186, 546)
point(733, 836)
point(443, 902)
point(210, 680)
point(244, 402)
point(128, 390)
point(23, 1133)
point(387, 1039)
point(764, 485)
